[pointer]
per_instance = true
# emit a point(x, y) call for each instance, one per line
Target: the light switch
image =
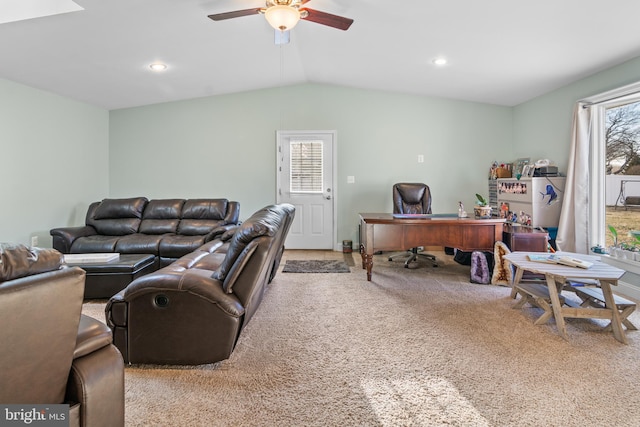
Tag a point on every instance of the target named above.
point(351, 179)
point(420, 158)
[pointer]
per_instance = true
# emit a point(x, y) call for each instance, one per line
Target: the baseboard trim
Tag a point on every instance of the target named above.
point(627, 290)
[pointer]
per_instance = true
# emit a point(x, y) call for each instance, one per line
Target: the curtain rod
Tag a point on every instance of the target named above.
point(591, 104)
point(604, 101)
point(616, 94)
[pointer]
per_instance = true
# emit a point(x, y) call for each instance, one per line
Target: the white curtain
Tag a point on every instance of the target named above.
point(573, 228)
point(582, 220)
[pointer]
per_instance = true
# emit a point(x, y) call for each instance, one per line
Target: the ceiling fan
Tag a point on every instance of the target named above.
point(283, 15)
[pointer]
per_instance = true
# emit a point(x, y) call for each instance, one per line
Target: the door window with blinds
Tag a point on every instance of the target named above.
point(306, 166)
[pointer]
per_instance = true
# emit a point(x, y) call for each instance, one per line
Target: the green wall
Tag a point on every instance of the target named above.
point(542, 126)
point(58, 155)
point(224, 146)
point(53, 161)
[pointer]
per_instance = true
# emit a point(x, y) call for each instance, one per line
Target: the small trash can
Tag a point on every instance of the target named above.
point(347, 246)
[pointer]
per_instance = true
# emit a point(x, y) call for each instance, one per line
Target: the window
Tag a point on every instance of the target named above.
point(622, 171)
point(615, 165)
point(306, 166)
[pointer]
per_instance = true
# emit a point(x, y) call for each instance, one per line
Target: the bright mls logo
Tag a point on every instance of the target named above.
point(34, 415)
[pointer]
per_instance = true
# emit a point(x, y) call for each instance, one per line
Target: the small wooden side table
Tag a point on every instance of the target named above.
point(556, 275)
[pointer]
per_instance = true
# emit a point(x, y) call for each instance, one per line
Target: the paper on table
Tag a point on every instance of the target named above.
point(564, 260)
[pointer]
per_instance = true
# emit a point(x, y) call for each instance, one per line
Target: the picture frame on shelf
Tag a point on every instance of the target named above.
point(520, 165)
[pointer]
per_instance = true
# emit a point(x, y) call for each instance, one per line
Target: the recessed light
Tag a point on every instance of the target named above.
point(440, 61)
point(158, 66)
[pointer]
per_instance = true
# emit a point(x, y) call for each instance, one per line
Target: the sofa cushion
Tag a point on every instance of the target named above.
point(159, 226)
point(116, 227)
point(207, 262)
point(228, 234)
point(92, 336)
point(205, 209)
point(18, 260)
point(264, 222)
point(211, 246)
point(138, 243)
point(118, 217)
point(121, 208)
point(238, 266)
point(200, 216)
point(95, 243)
point(175, 246)
point(161, 216)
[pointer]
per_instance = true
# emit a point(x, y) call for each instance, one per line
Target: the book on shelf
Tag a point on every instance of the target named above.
point(560, 259)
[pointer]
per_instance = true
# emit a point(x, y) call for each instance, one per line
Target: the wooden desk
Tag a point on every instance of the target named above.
point(384, 232)
point(556, 275)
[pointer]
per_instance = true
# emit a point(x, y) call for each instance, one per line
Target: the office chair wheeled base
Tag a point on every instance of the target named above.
point(413, 256)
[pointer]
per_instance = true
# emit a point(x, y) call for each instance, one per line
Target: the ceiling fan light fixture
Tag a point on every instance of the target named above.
point(282, 17)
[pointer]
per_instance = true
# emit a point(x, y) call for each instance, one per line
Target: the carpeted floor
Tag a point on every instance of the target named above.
point(413, 347)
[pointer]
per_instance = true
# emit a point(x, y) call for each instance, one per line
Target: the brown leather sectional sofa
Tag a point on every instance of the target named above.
point(192, 311)
point(51, 354)
point(166, 228)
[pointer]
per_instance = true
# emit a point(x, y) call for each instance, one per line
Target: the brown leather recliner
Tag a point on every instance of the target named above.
point(192, 311)
point(51, 353)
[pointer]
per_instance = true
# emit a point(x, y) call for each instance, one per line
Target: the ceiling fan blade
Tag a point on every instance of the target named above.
point(235, 14)
point(328, 19)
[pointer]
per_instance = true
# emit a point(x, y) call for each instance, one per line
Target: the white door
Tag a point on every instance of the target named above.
point(305, 179)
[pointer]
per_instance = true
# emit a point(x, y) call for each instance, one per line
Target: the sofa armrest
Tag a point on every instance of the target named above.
point(96, 386)
point(195, 281)
point(233, 213)
point(116, 311)
point(96, 380)
point(220, 231)
point(63, 237)
point(92, 336)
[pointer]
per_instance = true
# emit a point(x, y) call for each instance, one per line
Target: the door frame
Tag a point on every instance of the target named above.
point(280, 135)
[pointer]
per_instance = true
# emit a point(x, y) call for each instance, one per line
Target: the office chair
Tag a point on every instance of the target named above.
point(409, 198)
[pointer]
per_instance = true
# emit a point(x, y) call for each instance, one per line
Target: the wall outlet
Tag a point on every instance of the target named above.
point(34, 240)
point(351, 179)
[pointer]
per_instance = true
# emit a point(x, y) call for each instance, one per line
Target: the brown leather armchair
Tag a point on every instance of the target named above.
point(52, 354)
point(412, 198)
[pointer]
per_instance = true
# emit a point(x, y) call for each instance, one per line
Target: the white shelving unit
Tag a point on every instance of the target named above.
point(539, 197)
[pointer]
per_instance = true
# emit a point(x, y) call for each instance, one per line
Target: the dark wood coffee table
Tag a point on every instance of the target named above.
point(105, 279)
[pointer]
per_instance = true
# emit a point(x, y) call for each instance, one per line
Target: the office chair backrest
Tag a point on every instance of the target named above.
point(411, 198)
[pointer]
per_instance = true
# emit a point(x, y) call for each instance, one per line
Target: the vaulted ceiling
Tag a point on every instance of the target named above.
point(501, 52)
